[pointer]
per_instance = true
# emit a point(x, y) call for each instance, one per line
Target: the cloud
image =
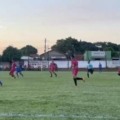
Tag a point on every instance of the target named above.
point(1, 26)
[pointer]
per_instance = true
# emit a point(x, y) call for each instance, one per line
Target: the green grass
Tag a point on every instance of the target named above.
point(36, 96)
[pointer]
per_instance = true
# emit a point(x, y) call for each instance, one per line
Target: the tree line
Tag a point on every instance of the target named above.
point(13, 53)
point(75, 46)
point(66, 46)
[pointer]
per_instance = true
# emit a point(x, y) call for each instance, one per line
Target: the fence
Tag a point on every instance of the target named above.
point(67, 64)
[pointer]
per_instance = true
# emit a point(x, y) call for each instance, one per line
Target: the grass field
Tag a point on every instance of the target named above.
point(36, 96)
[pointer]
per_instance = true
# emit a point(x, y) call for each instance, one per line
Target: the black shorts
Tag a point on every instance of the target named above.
point(91, 71)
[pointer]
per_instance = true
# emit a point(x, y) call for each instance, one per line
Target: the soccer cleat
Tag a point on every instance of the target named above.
point(83, 79)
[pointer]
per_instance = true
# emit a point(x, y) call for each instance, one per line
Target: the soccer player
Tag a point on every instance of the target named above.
point(89, 69)
point(53, 68)
point(75, 70)
point(13, 69)
point(119, 71)
point(100, 67)
point(19, 70)
point(1, 83)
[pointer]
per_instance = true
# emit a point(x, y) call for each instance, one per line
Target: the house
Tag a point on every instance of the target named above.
point(53, 55)
point(35, 56)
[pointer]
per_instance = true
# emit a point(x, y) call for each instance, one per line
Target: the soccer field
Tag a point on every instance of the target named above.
point(37, 96)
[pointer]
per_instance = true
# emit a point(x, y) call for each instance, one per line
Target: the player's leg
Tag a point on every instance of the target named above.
point(74, 73)
point(54, 73)
point(88, 73)
point(75, 81)
point(1, 83)
point(91, 71)
point(17, 74)
point(21, 74)
point(50, 73)
point(78, 78)
point(12, 74)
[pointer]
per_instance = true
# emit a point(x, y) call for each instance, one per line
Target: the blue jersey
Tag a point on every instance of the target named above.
point(90, 66)
point(100, 65)
point(18, 69)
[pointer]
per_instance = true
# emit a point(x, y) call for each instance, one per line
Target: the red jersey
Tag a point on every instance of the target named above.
point(52, 67)
point(13, 67)
point(119, 70)
point(74, 64)
point(12, 70)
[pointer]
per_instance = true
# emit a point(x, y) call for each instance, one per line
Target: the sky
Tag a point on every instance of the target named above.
point(30, 22)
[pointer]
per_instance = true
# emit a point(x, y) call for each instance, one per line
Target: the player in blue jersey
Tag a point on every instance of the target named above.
point(19, 70)
point(90, 69)
point(100, 67)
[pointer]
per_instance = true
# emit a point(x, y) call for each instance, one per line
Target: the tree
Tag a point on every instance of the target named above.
point(68, 44)
point(73, 45)
point(0, 58)
point(108, 46)
point(11, 53)
point(28, 50)
point(87, 46)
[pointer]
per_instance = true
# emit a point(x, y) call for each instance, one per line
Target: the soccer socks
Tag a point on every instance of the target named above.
point(21, 74)
point(88, 75)
point(75, 81)
point(55, 74)
point(18, 74)
point(52, 74)
point(78, 78)
point(1, 83)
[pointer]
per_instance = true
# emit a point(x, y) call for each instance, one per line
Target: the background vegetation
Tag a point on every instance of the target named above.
point(64, 46)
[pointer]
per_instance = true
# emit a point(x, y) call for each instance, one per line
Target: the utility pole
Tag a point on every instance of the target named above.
point(45, 49)
point(106, 59)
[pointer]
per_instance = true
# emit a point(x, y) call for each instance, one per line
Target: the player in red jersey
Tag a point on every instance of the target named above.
point(13, 69)
point(119, 71)
point(75, 70)
point(53, 68)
